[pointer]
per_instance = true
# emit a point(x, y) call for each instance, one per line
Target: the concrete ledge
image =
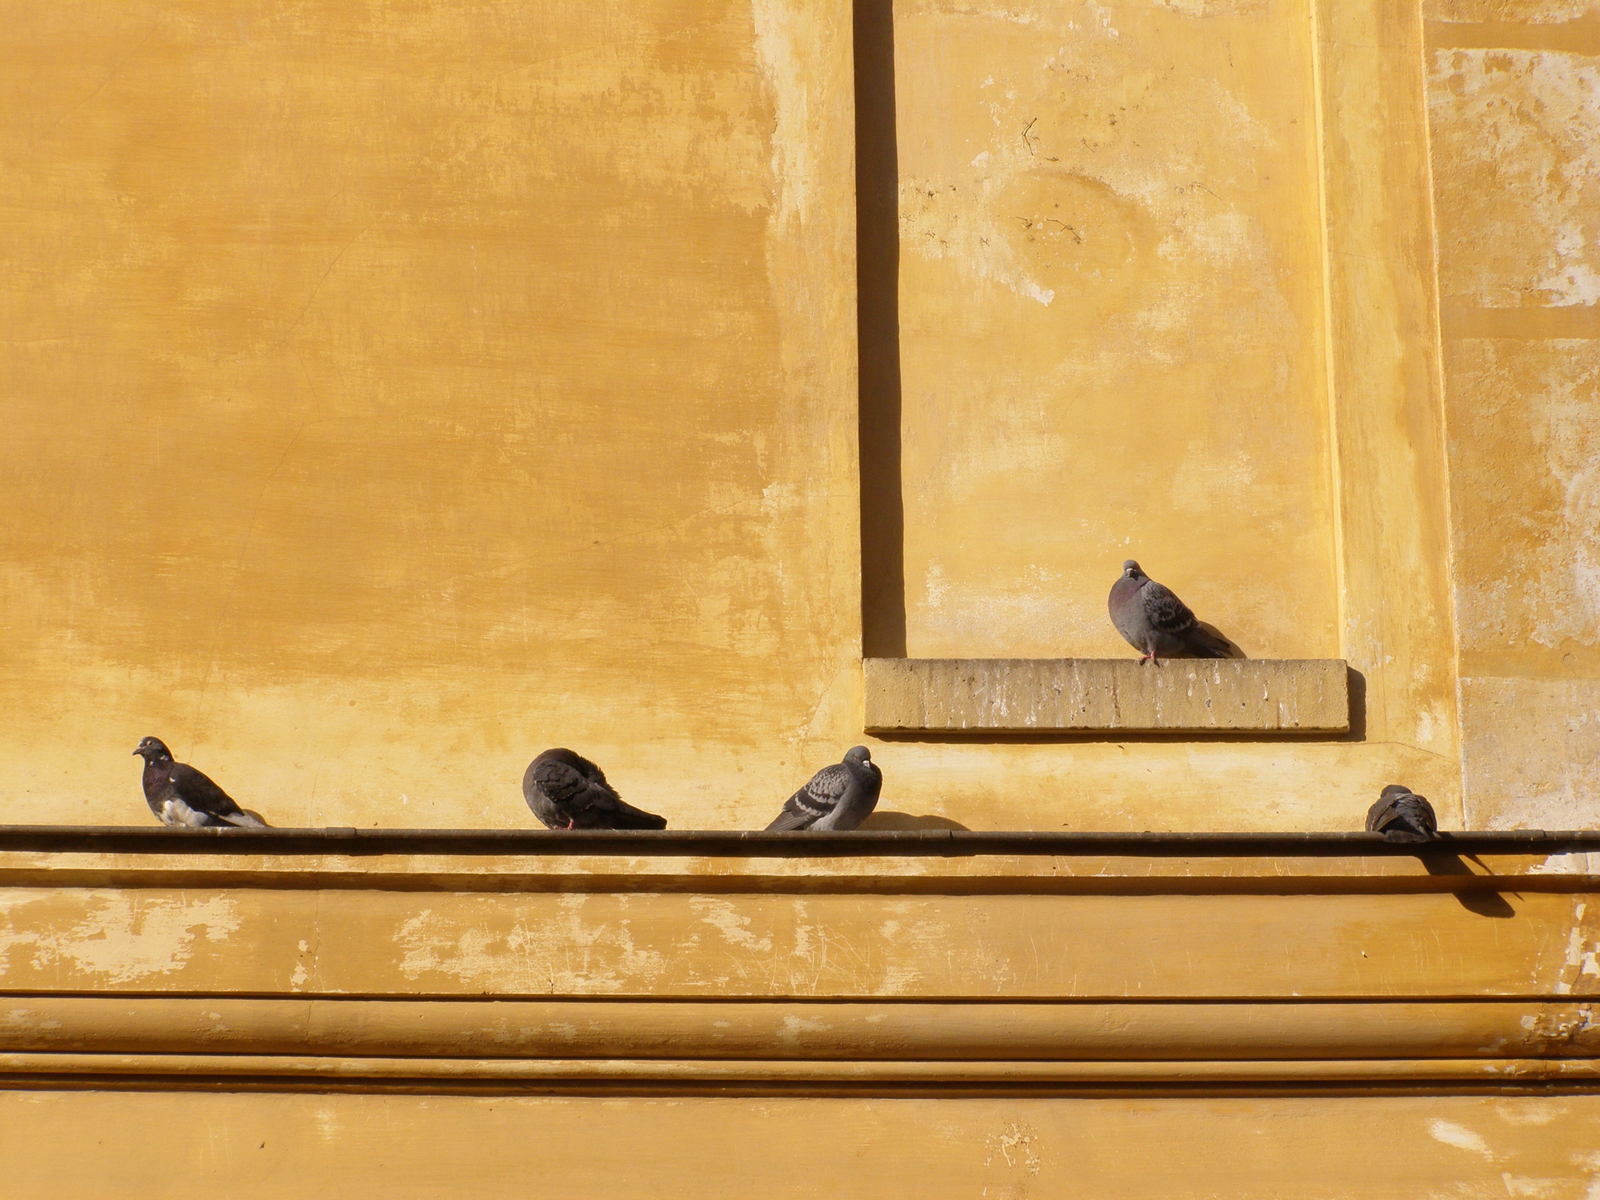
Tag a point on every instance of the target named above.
point(1086, 695)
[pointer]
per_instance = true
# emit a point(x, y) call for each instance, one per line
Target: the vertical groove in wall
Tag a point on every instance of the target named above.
point(1436, 327)
point(1335, 494)
point(883, 590)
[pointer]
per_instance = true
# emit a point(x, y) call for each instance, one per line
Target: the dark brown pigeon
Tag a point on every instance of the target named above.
point(1159, 625)
point(567, 791)
point(1402, 816)
point(837, 797)
point(181, 796)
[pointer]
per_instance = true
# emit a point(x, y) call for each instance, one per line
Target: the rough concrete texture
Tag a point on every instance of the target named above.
point(1100, 694)
point(1517, 176)
point(1517, 186)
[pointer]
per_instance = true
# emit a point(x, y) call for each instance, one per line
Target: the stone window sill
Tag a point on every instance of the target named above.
point(1096, 695)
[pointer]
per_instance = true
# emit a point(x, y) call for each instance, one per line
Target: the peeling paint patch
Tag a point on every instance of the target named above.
point(121, 937)
point(566, 956)
point(1015, 1146)
point(1517, 140)
point(726, 919)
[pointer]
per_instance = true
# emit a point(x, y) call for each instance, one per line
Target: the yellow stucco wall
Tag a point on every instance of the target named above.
point(395, 392)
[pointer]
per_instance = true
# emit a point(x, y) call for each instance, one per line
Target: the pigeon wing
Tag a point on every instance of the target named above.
point(196, 789)
point(819, 797)
point(1166, 613)
point(1403, 816)
point(563, 785)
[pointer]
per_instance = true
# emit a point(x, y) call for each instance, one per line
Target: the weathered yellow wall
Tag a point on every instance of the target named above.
point(1514, 100)
point(395, 391)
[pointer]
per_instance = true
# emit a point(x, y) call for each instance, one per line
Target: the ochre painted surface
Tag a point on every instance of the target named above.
point(394, 392)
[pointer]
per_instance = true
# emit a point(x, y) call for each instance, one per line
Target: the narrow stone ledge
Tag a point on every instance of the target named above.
point(1088, 695)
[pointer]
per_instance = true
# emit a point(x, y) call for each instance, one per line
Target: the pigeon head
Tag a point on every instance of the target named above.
point(1132, 570)
point(152, 749)
point(857, 755)
point(1391, 790)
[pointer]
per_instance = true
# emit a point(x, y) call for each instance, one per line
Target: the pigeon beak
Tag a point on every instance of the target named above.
point(136, 752)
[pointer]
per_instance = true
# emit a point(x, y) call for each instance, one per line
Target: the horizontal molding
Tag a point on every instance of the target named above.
point(1018, 930)
point(860, 862)
point(946, 1033)
point(1106, 695)
point(208, 1071)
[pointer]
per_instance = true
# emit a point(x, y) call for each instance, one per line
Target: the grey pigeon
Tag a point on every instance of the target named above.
point(567, 791)
point(837, 797)
point(1159, 625)
point(1402, 816)
point(182, 796)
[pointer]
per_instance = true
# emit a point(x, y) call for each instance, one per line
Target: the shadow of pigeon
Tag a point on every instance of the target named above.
point(1441, 861)
point(1233, 647)
point(889, 820)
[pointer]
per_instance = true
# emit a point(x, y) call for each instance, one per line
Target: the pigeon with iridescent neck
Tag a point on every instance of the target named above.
point(183, 797)
point(1159, 625)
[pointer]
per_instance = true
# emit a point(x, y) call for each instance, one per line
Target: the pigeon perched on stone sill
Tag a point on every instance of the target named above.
point(1158, 624)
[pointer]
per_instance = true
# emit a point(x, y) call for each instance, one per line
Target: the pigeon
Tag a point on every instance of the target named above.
point(1402, 816)
point(837, 797)
point(181, 796)
point(1159, 625)
point(567, 791)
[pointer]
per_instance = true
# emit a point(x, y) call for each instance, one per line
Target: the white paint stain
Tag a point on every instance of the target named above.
point(1459, 1136)
point(568, 954)
point(777, 42)
point(1580, 953)
point(726, 919)
point(1016, 1146)
point(794, 1028)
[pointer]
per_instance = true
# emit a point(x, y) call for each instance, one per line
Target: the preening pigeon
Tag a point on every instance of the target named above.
point(837, 797)
point(1159, 625)
point(567, 791)
point(1402, 816)
point(182, 796)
